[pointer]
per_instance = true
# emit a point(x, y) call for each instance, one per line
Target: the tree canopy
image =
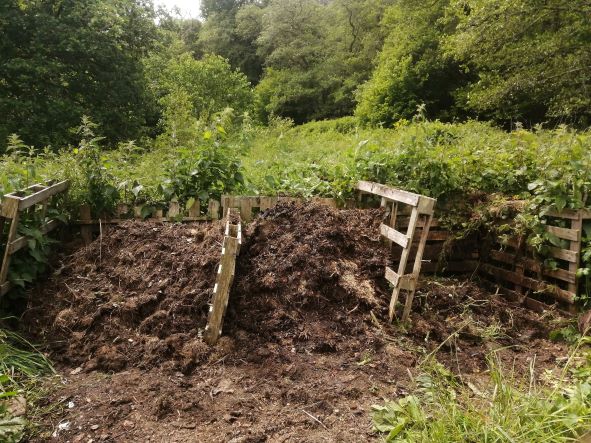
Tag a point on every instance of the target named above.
point(64, 59)
point(380, 60)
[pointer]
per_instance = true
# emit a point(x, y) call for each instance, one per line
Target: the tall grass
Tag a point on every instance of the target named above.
point(508, 408)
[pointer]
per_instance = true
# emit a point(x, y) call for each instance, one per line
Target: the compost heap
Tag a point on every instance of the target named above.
point(138, 297)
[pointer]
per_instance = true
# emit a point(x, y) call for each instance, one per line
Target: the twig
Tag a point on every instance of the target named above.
point(315, 419)
point(100, 241)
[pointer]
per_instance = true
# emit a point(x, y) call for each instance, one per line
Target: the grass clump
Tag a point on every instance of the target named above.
point(21, 366)
point(444, 408)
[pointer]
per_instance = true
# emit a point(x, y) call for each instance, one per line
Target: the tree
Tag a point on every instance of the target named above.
point(62, 59)
point(413, 68)
point(230, 30)
point(532, 58)
point(210, 85)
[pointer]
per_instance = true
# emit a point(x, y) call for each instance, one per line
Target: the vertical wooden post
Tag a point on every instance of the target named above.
point(2, 222)
point(246, 209)
point(174, 209)
point(11, 210)
point(195, 210)
point(86, 228)
point(417, 266)
point(577, 224)
point(213, 209)
point(412, 224)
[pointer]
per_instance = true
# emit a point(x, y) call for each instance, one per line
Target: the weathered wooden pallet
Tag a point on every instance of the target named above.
point(421, 213)
point(224, 277)
point(512, 264)
point(442, 252)
point(13, 205)
point(124, 212)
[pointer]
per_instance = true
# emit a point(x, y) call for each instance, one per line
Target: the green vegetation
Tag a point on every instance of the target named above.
point(508, 408)
point(21, 367)
point(306, 97)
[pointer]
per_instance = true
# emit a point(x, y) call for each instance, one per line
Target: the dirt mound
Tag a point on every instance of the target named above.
point(308, 280)
point(137, 297)
point(305, 275)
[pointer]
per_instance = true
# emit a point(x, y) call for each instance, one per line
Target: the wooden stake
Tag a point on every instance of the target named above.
point(417, 267)
point(403, 259)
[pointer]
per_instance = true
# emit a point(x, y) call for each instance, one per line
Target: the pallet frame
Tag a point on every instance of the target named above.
point(422, 209)
point(511, 265)
point(224, 277)
point(13, 205)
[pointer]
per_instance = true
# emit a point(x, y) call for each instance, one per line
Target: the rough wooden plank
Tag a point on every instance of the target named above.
point(426, 205)
point(43, 193)
point(403, 223)
point(398, 195)
point(392, 276)
point(268, 203)
point(403, 260)
point(564, 254)
point(9, 207)
point(86, 229)
point(565, 213)
point(213, 209)
point(393, 235)
point(534, 266)
point(417, 266)
point(174, 210)
point(12, 232)
point(224, 279)
point(530, 283)
point(195, 209)
point(2, 223)
point(575, 246)
point(565, 233)
point(246, 205)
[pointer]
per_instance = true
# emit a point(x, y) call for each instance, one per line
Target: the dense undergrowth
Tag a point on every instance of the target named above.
point(469, 167)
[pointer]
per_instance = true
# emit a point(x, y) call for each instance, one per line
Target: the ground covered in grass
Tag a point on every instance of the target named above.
point(306, 349)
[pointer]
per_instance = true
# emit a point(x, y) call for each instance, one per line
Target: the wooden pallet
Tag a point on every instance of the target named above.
point(421, 212)
point(124, 212)
point(224, 277)
point(512, 264)
point(443, 253)
point(13, 205)
point(249, 206)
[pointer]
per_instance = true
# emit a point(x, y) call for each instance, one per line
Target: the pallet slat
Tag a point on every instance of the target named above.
point(528, 282)
point(41, 193)
point(534, 266)
point(396, 236)
point(405, 197)
point(565, 233)
point(21, 242)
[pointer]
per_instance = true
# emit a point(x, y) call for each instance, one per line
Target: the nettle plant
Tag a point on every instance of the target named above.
point(99, 191)
point(203, 169)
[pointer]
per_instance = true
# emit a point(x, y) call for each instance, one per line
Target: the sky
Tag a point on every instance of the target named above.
point(189, 8)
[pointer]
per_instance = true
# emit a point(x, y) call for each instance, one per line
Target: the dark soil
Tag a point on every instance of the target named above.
point(137, 297)
point(306, 347)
